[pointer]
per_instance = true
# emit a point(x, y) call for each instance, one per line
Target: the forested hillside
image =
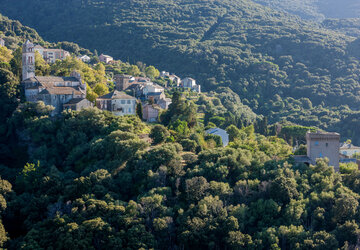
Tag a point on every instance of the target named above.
point(280, 66)
point(348, 26)
point(316, 9)
point(92, 180)
point(13, 32)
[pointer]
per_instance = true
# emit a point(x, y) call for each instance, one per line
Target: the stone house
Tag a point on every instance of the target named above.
point(52, 90)
point(152, 88)
point(85, 58)
point(155, 97)
point(77, 104)
point(136, 89)
point(321, 145)
point(151, 112)
point(105, 58)
point(175, 79)
point(140, 79)
point(164, 103)
point(122, 82)
point(51, 55)
point(58, 96)
point(349, 149)
point(190, 83)
point(118, 103)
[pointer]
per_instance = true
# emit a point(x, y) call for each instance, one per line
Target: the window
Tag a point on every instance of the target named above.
point(327, 144)
point(129, 110)
point(316, 143)
point(122, 101)
point(129, 102)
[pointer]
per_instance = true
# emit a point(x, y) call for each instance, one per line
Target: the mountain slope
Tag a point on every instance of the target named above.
point(280, 65)
point(348, 26)
point(14, 32)
point(316, 9)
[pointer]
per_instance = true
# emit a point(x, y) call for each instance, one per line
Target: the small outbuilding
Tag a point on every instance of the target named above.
point(220, 132)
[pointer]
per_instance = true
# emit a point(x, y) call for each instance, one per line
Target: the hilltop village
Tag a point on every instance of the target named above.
point(99, 153)
point(69, 92)
point(140, 95)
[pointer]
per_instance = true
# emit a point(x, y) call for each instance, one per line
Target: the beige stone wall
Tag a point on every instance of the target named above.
point(122, 107)
point(349, 151)
point(324, 145)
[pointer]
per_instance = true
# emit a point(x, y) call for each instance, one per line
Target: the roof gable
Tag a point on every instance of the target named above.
point(116, 95)
point(61, 91)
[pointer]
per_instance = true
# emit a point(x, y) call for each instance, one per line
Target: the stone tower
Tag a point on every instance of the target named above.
point(320, 145)
point(28, 60)
point(122, 82)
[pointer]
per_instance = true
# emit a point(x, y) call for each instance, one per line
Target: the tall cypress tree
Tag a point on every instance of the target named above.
point(139, 110)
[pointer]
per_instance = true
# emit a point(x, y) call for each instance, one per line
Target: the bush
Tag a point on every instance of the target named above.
point(188, 145)
point(159, 134)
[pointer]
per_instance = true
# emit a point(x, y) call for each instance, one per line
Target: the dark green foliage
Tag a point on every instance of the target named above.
point(294, 134)
point(302, 150)
point(139, 110)
point(73, 48)
point(14, 33)
point(108, 188)
point(188, 145)
point(316, 9)
point(180, 110)
point(349, 26)
point(216, 138)
point(159, 134)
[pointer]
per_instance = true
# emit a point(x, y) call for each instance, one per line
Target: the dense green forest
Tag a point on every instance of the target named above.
point(280, 66)
point(91, 180)
point(316, 9)
point(348, 26)
point(108, 188)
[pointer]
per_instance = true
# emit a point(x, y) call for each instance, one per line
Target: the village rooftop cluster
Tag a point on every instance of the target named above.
point(70, 92)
